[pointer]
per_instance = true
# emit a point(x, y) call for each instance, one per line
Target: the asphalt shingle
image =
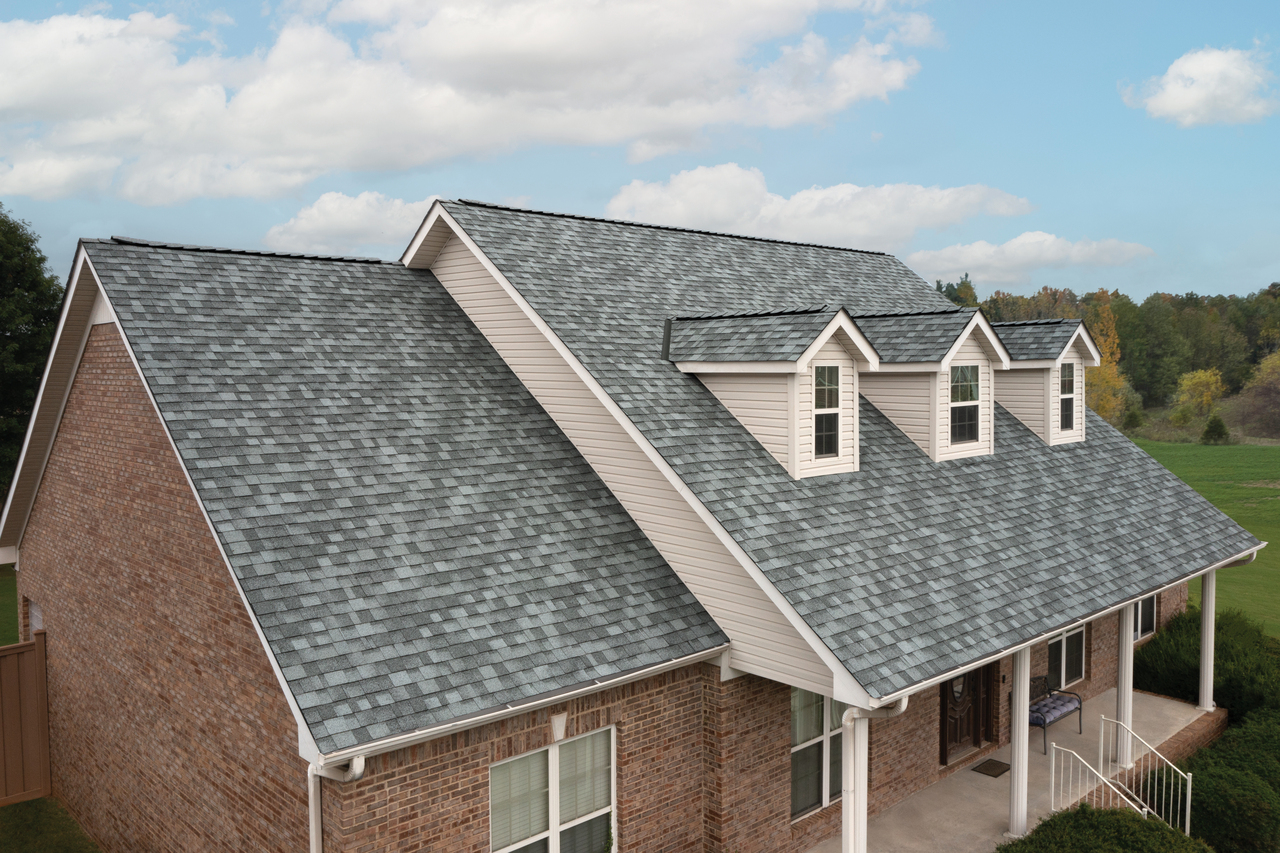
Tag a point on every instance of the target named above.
point(757, 337)
point(906, 338)
point(1036, 339)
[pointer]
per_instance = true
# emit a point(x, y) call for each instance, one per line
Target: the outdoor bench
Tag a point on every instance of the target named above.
point(1049, 705)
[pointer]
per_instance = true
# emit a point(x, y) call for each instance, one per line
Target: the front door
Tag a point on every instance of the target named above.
point(963, 708)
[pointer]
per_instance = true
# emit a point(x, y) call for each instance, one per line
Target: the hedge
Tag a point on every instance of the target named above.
point(1088, 830)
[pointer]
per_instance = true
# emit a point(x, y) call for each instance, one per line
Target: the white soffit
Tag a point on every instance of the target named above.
point(850, 337)
point(428, 241)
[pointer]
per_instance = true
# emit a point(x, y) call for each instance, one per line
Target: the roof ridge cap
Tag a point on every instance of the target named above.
point(959, 309)
point(748, 314)
point(475, 203)
point(218, 250)
point(1047, 321)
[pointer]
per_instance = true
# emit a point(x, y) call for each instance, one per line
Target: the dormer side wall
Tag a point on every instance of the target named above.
point(1057, 435)
point(832, 353)
point(1023, 393)
point(762, 403)
point(970, 353)
point(907, 400)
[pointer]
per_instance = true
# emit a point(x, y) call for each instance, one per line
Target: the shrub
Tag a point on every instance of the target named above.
point(1252, 746)
point(1234, 811)
point(1215, 431)
point(1132, 419)
point(1246, 674)
point(1088, 830)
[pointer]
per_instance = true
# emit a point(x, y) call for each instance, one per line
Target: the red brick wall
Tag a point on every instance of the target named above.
point(168, 728)
point(1170, 603)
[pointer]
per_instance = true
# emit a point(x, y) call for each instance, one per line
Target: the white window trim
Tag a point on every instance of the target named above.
point(951, 407)
point(554, 827)
point(1137, 617)
point(836, 410)
point(1084, 653)
point(1075, 410)
point(829, 797)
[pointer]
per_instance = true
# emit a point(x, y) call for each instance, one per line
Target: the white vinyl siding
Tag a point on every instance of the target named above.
point(1056, 434)
point(903, 398)
point(760, 402)
point(1022, 392)
point(834, 354)
point(764, 642)
point(971, 352)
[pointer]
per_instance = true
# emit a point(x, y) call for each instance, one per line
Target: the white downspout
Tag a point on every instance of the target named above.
point(854, 750)
point(314, 773)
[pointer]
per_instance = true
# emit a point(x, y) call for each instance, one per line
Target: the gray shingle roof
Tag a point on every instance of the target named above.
point(415, 551)
point(907, 568)
point(767, 337)
point(1036, 339)
point(915, 337)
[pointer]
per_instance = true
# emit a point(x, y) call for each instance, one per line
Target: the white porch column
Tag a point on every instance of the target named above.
point(1124, 688)
point(1208, 603)
point(1018, 735)
point(853, 783)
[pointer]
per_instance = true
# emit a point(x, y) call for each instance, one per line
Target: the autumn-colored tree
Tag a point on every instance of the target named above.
point(1262, 396)
point(1106, 391)
point(1198, 390)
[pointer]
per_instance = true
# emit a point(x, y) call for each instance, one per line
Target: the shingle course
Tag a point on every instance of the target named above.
point(1036, 339)
point(907, 338)
point(417, 538)
point(759, 337)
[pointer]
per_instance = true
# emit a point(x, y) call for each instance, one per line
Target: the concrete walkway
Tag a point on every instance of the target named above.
point(968, 812)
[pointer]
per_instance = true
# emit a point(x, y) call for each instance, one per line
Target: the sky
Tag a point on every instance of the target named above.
point(1096, 145)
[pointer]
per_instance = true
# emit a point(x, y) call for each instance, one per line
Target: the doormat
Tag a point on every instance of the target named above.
point(992, 768)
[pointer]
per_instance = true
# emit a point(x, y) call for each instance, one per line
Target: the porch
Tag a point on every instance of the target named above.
point(970, 811)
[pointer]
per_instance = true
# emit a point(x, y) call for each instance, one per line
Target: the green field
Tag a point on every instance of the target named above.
point(1244, 482)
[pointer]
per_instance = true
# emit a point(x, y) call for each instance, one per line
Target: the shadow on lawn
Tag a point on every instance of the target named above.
point(41, 826)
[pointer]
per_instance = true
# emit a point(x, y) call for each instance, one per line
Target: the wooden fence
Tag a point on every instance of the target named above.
point(24, 722)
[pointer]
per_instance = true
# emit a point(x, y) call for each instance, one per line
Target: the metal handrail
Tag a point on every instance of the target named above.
point(1149, 777)
point(1072, 782)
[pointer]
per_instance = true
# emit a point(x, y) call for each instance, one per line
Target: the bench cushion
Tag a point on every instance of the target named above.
point(1053, 707)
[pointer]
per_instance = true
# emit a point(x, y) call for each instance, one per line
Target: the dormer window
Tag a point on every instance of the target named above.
point(964, 403)
point(1067, 388)
point(826, 406)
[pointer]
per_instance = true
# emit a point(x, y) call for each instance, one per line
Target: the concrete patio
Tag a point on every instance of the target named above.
point(969, 813)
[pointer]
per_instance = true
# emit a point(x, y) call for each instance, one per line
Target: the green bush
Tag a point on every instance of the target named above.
point(1215, 431)
point(1132, 419)
point(1232, 810)
point(1252, 746)
point(1088, 830)
point(1246, 671)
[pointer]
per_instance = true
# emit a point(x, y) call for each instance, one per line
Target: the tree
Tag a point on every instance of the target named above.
point(1215, 431)
point(1199, 390)
point(1106, 391)
point(961, 294)
point(1262, 396)
point(30, 299)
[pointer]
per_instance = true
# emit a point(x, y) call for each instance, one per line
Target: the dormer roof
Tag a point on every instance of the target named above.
point(761, 341)
point(1045, 340)
point(927, 338)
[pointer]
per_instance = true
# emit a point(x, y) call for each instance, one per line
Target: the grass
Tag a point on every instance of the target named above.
point(41, 826)
point(1243, 481)
point(8, 606)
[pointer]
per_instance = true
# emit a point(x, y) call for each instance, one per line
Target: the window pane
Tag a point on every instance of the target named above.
point(1075, 657)
point(837, 713)
point(806, 779)
point(836, 757)
point(964, 424)
point(826, 387)
point(964, 384)
point(806, 716)
point(591, 836)
point(518, 802)
point(542, 845)
point(826, 435)
point(1146, 620)
point(1068, 412)
point(1067, 381)
point(585, 775)
point(1055, 664)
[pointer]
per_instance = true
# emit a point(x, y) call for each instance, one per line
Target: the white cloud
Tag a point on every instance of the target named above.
point(1014, 261)
point(339, 224)
point(730, 198)
point(427, 82)
point(1210, 86)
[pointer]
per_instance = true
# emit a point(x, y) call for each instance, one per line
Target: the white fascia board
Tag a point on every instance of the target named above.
point(845, 687)
point(980, 323)
point(736, 366)
point(1241, 559)
point(1081, 338)
point(409, 258)
point(1033, 363)
point(102, 311)
point(864, 351)
point(307, 747)
point(46, 396)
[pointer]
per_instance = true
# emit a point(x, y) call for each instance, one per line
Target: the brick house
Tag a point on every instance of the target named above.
point(563, 533)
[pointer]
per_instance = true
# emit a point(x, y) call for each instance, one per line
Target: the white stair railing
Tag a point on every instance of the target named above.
point(1145, 774)
point(1072, 781)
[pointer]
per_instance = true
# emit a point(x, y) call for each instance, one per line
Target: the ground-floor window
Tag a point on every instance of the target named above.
point(1066, 658)
point(815, 751)
point(1144, 617)
point(555, 800)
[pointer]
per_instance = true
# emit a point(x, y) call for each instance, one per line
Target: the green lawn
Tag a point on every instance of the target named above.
point(41, 826)
point(8, 606)
point(1244, 482)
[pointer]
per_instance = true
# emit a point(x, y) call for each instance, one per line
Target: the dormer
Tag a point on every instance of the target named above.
point(790, 378)
point(936, 378)
point(1044, 387)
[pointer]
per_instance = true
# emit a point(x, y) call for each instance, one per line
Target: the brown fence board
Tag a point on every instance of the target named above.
point(24, 722)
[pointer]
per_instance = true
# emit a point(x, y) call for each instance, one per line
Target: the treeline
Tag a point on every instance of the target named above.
point(1160, 339)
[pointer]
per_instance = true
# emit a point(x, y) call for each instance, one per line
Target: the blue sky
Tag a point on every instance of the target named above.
point(1121, 146)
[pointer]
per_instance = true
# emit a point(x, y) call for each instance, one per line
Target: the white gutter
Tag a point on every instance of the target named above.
point(1244, 558)
point(353, 772)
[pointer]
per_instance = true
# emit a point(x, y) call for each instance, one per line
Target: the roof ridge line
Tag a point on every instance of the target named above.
point(218, 250)
point(476, 203)
point(1042, 322)
point(747, 314)
point(959, 309)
